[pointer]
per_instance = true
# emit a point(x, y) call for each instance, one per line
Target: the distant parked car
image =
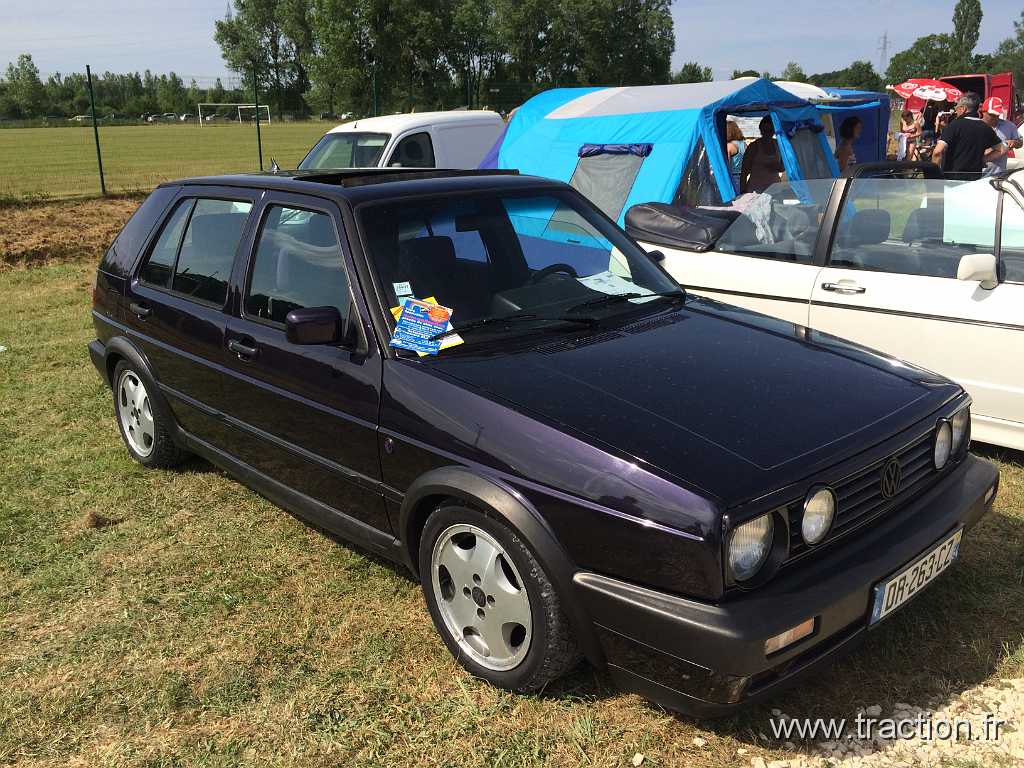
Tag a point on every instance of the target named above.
point(456, 139)
point(186, 117)
point(169, 117)
point(929, 270)
point(586, 461)
point(80, 118)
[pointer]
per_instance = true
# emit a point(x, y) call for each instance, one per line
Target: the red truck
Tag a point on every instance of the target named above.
point(986, 86)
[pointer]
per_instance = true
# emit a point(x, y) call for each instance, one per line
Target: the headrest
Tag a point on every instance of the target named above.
point(923, 224)
point(217, 230)
point(869, 227)
point(413, 150)
point(320, 231)
point(426, 256)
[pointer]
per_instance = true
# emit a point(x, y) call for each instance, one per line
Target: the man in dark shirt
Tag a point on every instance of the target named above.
point(967, 143)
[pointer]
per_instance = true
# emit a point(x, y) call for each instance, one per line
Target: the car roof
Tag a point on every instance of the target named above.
point(401, 122)
point(357, 185)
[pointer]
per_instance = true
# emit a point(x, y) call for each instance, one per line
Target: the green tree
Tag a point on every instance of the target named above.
point(25, 93)
point(692, 72)
point(738, 73)
point(793, 71)
point(929, 56)
point(966, 29)
point(860, 74)
point(1009, 55)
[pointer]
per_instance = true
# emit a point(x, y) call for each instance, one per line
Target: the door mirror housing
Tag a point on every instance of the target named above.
point(980, 267)
point(313, 325)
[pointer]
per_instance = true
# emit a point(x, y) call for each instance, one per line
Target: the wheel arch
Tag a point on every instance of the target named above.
point(120, 348)
point(495, 497)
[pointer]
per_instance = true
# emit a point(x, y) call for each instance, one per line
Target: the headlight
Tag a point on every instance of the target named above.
point(960, 421)
point(749, 546)
point(819, 509)
point(943, 444)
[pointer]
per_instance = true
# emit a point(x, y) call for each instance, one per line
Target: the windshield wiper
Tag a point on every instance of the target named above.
point(517, 317)
point(615, 297)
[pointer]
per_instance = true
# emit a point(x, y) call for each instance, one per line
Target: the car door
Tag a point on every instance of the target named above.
point(891, 283)
point(768, 259)
point(177, 298)
point(305, 415)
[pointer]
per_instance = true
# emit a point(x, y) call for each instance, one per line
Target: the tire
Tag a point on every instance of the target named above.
point(478, 574)
point(145, 426)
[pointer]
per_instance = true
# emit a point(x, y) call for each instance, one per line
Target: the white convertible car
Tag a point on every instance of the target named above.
point(926, 269)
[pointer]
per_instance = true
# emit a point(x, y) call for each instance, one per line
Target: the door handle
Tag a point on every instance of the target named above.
point(244, 351)
point(844, 286)
point(140, 310)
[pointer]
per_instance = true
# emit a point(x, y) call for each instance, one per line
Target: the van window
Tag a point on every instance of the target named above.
point(208, 249)
point(414, 151)
point(349, 149)
point(298, 264)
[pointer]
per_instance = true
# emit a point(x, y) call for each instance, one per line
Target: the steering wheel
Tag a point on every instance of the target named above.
point(552, 269)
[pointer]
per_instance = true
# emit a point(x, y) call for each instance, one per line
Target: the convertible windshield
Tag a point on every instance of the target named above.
point(529, 259)
point(346, 150)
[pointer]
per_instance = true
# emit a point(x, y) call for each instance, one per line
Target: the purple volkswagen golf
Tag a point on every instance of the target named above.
point(481, 377)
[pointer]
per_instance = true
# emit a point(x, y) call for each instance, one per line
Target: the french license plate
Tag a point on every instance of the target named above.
point(897, 590)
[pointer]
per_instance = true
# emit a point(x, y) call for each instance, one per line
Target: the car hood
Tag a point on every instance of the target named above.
point(727, 401)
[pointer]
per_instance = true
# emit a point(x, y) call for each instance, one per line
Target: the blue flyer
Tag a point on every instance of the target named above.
point(418, 323)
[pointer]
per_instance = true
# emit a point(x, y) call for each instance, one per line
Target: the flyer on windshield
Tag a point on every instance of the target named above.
point(418, 323)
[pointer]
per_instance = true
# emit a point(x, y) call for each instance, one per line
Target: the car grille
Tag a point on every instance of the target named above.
point(859, 497)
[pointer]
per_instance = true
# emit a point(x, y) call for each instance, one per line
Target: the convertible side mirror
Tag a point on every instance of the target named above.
point(980, 267)
point(313, 325)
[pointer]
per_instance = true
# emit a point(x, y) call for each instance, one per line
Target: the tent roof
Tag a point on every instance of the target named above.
point(645, 99)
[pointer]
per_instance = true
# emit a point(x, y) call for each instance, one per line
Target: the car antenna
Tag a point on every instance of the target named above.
point(274, 167)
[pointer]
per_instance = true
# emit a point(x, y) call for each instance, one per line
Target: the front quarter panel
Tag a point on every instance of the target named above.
point(611, 514)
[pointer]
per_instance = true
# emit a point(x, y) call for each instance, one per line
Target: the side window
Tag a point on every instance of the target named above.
point(160, 264)
point(208, 249)
point(1011, 245)
point(415, 151)
point(915, 226)
point(298, 264)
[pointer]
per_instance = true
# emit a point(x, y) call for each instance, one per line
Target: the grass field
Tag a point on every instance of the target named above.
point(61, 162)
point(177, 619)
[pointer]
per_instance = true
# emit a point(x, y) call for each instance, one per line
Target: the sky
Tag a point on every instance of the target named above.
point(821, 35)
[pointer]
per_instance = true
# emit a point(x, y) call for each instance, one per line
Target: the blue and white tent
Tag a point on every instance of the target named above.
point(665, 143)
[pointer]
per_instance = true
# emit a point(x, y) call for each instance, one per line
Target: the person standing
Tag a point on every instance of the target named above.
point(849, 132)
point(993, 112)
point(762, 162)
point(736, 147)
point(967, 143)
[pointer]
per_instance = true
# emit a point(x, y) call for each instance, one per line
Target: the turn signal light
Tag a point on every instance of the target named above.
point(790, 636)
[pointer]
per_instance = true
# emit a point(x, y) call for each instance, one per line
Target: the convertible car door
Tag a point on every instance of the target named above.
point(891, 284)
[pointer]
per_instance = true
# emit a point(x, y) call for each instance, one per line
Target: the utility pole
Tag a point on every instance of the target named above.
point(256, 103)
point(883, 49)
point(96, 131)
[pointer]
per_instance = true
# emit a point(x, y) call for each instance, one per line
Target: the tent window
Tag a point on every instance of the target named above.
point(698, 185)
point(810, 155)
point(606, 179)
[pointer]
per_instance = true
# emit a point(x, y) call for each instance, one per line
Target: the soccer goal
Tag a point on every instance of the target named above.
point(212, 112)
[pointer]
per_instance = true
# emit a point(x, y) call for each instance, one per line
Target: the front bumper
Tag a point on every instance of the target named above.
point(707, 660)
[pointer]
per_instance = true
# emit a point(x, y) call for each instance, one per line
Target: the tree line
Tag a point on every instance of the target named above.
point(25, 95)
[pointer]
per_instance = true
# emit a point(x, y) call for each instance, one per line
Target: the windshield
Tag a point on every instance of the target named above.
point(346, 150)
point(546, 257)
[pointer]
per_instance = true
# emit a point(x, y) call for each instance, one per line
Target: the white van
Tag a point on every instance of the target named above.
point(458, 139)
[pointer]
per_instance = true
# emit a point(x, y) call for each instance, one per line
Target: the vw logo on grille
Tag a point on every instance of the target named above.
point(892, 478)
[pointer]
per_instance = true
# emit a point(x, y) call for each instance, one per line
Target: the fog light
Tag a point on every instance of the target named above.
point(790, 636)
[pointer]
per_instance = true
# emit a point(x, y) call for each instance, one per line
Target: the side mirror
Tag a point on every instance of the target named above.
point(656, 256)
point(313, 325)
point(980, 267)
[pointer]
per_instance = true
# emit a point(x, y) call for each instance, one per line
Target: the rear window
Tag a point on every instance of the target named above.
point(123, 252)
point(196, 249)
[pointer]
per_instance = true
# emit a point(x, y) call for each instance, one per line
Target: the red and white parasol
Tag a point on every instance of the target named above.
point(927, 89)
